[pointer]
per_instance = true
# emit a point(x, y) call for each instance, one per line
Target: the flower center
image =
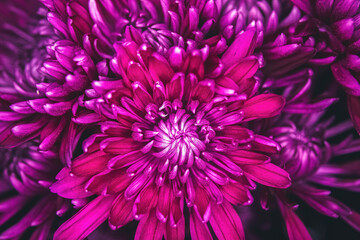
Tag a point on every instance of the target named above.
point(174, 140)
point(177, 139)
point(302, 151)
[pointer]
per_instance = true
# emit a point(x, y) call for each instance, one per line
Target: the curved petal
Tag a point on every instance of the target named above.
point(263, 106)
point(242, 46)
point(226, 222)
point(150, 228)
point(268, 174)
point(354, 111)
point(86, 220)
point(353, 220)
point(198, 230)
point(121, 212)
point(295, 227)
point(70, 186)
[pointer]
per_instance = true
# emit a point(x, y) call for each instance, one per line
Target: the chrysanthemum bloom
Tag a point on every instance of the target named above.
point(177, 135)
point(27, 207)
point(305, 154)
point(43, 79)
point(337, 24)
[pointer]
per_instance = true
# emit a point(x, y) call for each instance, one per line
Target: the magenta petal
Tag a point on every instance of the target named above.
point(295, 227)
point(150, 228)
point(86, 220)
point(59, 25)
point(17, 229)
point(11, 116)
point(281, 52)
point(89, 164)
point(86, 118)
point(53, 68)
point(68, 142)
point(246, 157)
point(265, 144)
point(136, 73)
point(28, 129)
point(176, 56)
point(38, 104)
point(237, 194)
point(163, 206)
point(70, 186)
point(263, 106)
point(198, 230)
point(268, 174)
point(243, 46)
point(108, 182)
point(306, 108)
point(354, 111)
point(121, 212)
point(22, 107)
point(159, 69)
point(346, 79)
point(325, 205)
point(226, 222)
point(353, 220)
point(242, 70)
point(42, 231)
point(175, 89)
point(175, 232)
point(204, 91)
point(344, 28)
point(304, 5)
point(51, 138)
point(141, 95)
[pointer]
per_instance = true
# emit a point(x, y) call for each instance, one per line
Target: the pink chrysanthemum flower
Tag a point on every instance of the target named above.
point(177, 140)
point(27, 207)
point(305, 155)
point(309, 141)
point(336, 25)
point(42, 79)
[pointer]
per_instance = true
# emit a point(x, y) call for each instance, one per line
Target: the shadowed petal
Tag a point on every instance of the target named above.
point(353, 220)
point(295, 227)
point(354, 110)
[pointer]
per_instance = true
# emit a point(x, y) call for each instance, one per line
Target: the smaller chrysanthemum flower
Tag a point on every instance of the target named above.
point(24, 37)
point(176, 140)
point(27, 207)
point(306, 151)
point(41, 92)
point(337, 24)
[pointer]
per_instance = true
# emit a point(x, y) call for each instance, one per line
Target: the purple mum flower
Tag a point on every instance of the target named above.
point(177, 135)
point(39, 94)
point(337, 24)
point(26, 202)
point(306, 154)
